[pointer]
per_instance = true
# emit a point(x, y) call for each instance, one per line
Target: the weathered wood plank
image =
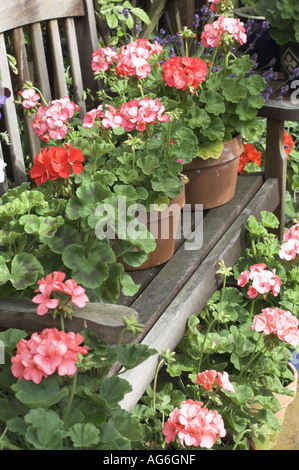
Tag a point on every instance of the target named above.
point(280, 110)
point(11, 121)
point(104, 319)
point(23, 77)
point(276, 165)
point(87, 39)
point(170, 327)
point(77, 82)
point(15, 13)
point(57, 58)
point(40, 61)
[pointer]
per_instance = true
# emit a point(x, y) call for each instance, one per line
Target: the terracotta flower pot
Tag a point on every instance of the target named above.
point(212, 182)
point(164, 226)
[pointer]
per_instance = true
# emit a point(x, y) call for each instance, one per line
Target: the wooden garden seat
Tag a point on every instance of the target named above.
point(168, 294)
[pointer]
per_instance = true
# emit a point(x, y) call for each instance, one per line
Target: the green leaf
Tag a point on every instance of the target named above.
point(113, 390)
point(42, 395)
point(87, 198)
point(233, 91)
point(197, 117)
point(44, 227)
point(110, 436)
point(11, 337)
point(255, 84)
point(128, 426)
point(241, 65)
point(17, 425)
point(148, 164)
point(245, 111)
point(141, 14)
point(112, 20)
point(130, 355)
point(25, 270)
point(216, 130)
point(65, 235)
point(4, 271)
point(210, 149)
point(45, 432)
point(269, 220)
point(84, 435)
point(214, 102)
point(90, 269)
point(129, 287)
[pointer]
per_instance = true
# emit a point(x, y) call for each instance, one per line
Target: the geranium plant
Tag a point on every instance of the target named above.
point(55, 389)
point(218, 387)
point(218, 92)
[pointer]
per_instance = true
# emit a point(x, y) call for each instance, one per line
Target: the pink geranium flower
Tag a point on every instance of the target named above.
point(261, 280)
point(52, 283)
point(278, 321)
point(210, 378)
point(46, 353)
point(30, 98)
point(193, 425)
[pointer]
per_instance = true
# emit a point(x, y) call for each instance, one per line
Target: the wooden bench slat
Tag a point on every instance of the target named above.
point(170, 327)
point(20, 13)
point(15, 149)
point(77, 83)
point(23, 77)
point(104, 319)
point(57, 57)
point(40, 61)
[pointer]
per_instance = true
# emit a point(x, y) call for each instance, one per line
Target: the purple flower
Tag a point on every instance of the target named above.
point(126, 12)
point(4, 94)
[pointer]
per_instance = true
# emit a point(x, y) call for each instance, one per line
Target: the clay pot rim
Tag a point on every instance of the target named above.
point(232, 149)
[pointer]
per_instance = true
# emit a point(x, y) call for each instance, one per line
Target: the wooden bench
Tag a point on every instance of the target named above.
point(168, 294)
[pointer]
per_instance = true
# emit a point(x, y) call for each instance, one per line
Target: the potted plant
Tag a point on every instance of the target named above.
point(227, 384)
point(219, 96)
point(55, 390)
point(131, 144)
point(283, 19)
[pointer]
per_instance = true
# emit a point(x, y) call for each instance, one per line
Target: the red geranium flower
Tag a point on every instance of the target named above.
point(250, 154)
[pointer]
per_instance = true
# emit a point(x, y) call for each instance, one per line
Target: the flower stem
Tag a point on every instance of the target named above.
point(168, 140)
point(154, 398)
point(71, 397)
point(62, 321)
point(253, 357)
point(204, 341)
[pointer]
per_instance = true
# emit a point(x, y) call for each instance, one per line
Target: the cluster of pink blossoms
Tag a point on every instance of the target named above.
point(137, 113)
point(289, 250)
point(194, 425)
point(50, 121)
point(54, 283)
point(132, 60)
point(278, 321)
point(262, 280)
point(210, 378)
point(212, 33)
point(45, 353)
